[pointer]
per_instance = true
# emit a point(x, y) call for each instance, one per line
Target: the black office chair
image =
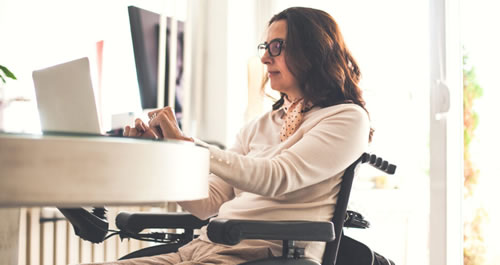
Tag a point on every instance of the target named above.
point(340, 249)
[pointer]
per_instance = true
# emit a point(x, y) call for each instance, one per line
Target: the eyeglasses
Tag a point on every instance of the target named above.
point(274, 47)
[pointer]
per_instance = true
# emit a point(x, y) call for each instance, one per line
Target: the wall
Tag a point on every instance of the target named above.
point(232, 31)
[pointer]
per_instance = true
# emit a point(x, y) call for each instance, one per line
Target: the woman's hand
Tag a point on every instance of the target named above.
point(140, 130)
point(164, 124)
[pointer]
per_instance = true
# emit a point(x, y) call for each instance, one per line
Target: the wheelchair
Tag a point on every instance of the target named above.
point(340, 249)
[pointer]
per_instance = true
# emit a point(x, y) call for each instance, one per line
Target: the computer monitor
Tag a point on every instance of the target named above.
point(145, 28)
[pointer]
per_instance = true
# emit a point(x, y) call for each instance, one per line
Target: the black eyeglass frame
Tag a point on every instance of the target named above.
point(267, 46)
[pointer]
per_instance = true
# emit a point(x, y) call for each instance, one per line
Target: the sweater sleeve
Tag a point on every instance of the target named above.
point(325, 150)
point(218, 193)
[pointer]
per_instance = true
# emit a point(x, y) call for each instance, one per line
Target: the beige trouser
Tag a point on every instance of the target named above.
point(199, 252)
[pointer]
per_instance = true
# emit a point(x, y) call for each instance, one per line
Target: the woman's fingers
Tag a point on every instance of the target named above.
point(140, 130)
point(140, 125)
point(170, 113)
point(165, 121)
point(167, 110)
point(167, 126)
point(126, 131)
point(133, 133)
point(129, 131)
point(159, 123)
point(162, 124)
point(156, 131)
point(152, 114)
point(150, 134)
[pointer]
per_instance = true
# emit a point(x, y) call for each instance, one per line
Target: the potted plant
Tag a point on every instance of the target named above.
point(5, 72)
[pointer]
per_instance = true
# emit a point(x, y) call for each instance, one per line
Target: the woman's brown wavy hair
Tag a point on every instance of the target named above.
point(319, 59)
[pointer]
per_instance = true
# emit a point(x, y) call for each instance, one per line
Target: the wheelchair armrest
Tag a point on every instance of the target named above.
point(231, 232)
point(136, 222)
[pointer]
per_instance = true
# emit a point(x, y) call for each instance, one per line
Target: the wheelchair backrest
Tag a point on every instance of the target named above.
point(331, 249)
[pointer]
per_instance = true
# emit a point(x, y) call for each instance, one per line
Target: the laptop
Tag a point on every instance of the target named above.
point(65, 98)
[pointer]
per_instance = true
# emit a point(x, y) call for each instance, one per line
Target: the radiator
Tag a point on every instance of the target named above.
point(53, 241)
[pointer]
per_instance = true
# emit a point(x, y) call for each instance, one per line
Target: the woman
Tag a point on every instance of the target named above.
point(287, 164)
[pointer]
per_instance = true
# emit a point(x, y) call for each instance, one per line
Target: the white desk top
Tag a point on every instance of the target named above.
point(48, 170)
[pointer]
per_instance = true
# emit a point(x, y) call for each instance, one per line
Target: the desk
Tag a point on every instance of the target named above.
point(62, 171)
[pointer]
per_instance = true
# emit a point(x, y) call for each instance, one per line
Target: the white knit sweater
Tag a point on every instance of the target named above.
point(261, 178)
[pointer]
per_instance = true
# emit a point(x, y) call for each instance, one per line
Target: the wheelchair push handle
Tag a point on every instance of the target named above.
point(378, 163)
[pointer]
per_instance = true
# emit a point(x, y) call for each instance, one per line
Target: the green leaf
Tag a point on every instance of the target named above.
point(7, 73)
point(2, 79)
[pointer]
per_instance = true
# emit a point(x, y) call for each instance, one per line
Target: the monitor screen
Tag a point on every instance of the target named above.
point(145, 28)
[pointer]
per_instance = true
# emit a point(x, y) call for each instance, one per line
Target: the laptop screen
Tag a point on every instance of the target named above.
point(65, 98)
